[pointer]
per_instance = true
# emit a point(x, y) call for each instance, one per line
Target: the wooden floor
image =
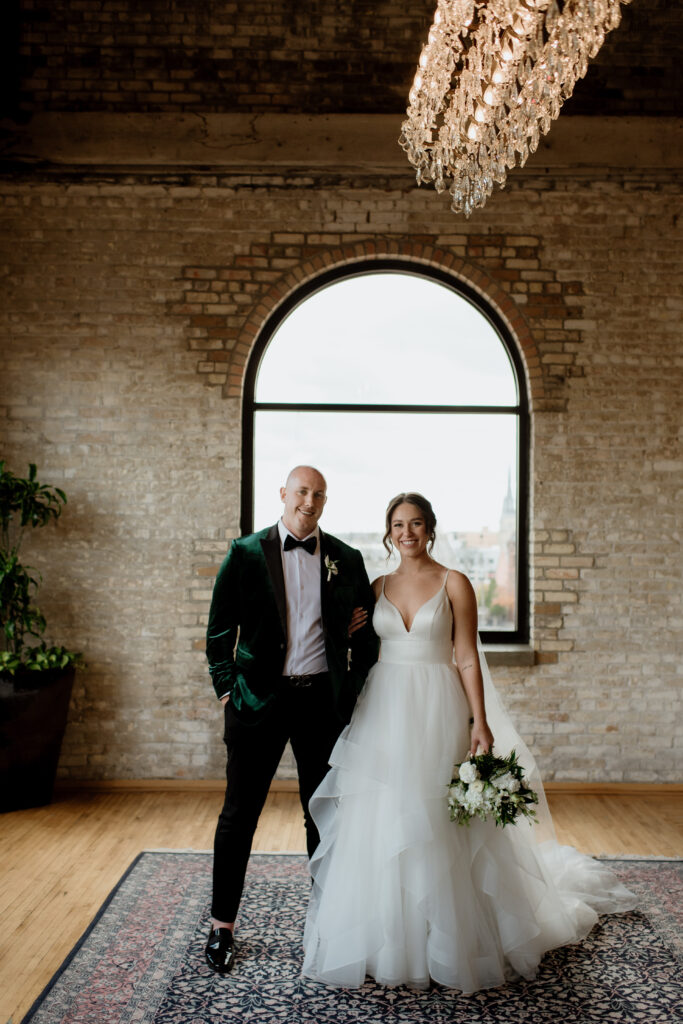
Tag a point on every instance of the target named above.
point(60, 862)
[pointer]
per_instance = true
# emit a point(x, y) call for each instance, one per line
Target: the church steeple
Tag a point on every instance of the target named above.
point(509, 501)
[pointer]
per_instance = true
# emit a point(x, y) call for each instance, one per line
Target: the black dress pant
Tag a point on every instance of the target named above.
point(306, 717)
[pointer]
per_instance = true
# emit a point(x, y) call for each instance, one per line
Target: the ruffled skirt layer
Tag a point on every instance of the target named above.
point(402, 893)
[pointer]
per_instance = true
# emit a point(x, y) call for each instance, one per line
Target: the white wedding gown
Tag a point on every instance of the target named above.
point(402, 893)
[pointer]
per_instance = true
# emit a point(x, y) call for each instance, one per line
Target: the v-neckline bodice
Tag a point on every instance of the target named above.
point(423, 605)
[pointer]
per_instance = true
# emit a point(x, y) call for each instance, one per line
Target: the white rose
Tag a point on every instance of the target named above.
point(507, 781)
point(456, 795)
point(477, 786)
point(473, 800)
point(468, 772)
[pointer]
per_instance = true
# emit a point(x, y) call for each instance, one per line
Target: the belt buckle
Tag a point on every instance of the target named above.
point(300, 681)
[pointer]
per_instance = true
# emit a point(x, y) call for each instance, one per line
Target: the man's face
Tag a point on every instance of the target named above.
point(304, 497)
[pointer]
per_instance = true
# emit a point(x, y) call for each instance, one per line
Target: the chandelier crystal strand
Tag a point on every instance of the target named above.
point(491, 79)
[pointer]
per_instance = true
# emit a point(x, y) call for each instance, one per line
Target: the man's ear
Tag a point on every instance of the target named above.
point(283, 493)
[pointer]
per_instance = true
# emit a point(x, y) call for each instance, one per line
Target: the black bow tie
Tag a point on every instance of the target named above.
point(309, 544)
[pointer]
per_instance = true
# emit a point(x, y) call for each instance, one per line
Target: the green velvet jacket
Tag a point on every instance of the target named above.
point(247, 633)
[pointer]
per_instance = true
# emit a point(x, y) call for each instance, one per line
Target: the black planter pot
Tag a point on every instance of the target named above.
point(32, 723)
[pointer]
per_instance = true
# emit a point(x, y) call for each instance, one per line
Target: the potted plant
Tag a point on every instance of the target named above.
point(35, 679)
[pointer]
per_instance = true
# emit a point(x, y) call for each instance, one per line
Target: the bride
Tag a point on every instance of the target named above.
point(399, 891)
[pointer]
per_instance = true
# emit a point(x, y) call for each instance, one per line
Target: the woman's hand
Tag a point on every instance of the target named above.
point(481, 736)
point(358, 620)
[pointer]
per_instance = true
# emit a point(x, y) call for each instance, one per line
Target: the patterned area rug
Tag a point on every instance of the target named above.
point(626, 972)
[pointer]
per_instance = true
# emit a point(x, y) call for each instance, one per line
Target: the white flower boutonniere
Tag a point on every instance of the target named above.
point(331, 567)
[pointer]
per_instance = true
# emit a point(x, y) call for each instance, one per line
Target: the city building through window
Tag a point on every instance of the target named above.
point(393, 377)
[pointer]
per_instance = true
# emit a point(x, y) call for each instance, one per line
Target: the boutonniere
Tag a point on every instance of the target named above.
point(331, 567)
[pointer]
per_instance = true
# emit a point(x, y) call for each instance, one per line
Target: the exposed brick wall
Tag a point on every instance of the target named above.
point(308, 56)
point(556, 572)
point(106, 387)
point(637, 70)
point(226, 307)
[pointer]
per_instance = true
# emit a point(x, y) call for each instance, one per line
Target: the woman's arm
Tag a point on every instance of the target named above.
point(363, 641)
point(464, 605)
point(360, 615)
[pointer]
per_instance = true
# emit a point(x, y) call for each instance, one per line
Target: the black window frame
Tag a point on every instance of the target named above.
point(361, 268)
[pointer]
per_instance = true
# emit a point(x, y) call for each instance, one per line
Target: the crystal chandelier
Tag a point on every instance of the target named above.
point(491, 77)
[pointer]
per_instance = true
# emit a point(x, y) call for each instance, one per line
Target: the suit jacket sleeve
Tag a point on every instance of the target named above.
point(221, 635)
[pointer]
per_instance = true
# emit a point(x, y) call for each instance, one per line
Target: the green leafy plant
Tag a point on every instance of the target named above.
point(25, 503)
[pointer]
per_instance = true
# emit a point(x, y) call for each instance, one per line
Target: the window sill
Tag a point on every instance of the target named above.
point(509, 654)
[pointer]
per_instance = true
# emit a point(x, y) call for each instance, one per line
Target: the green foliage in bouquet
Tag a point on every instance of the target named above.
point(486, 786)
point(25, 503)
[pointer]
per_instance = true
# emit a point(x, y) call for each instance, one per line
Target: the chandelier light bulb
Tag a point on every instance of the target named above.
point(512, 46)
point(497, 75)
point(473, 131)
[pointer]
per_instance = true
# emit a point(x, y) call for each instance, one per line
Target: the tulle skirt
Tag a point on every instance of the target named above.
point(405, 895)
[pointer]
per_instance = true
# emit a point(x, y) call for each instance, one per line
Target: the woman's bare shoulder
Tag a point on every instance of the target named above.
point(458, 579)
point(377, 586)
point(458, 585)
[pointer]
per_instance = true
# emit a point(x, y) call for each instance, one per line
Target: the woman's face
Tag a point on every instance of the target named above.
point(409, 530)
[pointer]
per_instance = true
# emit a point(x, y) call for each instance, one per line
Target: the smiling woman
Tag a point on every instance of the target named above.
point(389, 376)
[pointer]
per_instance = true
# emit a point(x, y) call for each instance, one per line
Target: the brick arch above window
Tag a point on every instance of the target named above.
point(414, 253)
point(225, 306)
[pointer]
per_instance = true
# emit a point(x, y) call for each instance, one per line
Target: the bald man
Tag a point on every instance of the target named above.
point(284, 668)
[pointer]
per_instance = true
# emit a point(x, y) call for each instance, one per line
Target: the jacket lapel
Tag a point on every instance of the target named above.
point(325, 591)
point(271, 552)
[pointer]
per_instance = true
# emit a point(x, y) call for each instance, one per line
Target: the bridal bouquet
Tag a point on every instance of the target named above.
point(487, 786)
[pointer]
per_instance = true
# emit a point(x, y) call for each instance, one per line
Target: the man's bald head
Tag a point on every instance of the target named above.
point(298, 470)
point(304, 496)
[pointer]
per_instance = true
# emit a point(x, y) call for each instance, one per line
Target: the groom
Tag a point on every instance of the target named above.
point(284, 667)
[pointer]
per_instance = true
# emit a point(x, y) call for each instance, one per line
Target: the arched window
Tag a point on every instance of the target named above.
point(388, 377)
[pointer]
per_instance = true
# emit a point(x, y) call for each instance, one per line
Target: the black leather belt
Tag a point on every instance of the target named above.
point(300, 682)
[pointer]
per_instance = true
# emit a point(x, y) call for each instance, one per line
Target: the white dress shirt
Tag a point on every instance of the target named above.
point(305, 640)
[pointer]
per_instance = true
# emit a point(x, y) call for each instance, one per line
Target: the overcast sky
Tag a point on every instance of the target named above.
point(387, 338)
